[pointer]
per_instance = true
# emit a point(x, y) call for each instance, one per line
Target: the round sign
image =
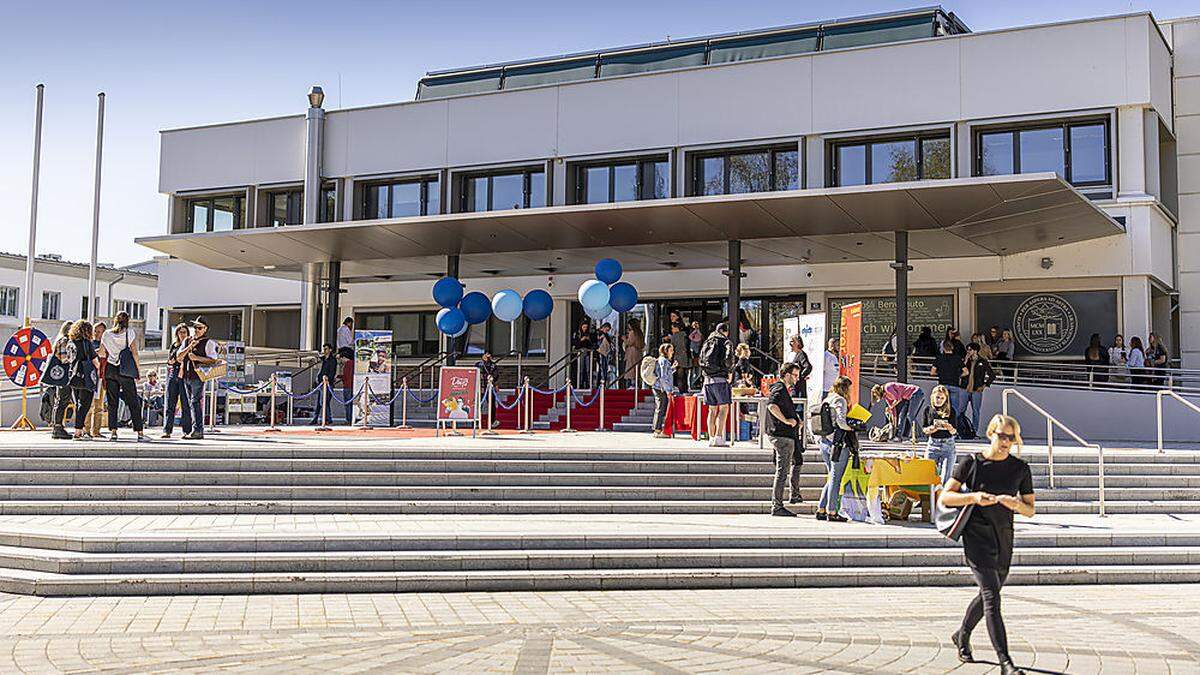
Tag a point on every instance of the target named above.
point(1045, 324)
point(24, 356)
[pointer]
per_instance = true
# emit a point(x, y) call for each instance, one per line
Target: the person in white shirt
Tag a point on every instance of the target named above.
point(831, 366)
point(119, 387)
point(345, 339)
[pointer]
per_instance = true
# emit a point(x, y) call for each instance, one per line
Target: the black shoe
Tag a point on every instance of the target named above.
point(963, 643)
point(60, 434)
point(796, 500)
point(782, 512)
point(821, 515)
point(1007, 668)
point(835, 518)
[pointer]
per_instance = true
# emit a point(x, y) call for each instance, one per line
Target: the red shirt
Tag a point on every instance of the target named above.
point(347, 373)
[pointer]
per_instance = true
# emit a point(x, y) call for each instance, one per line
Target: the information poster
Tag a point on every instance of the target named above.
point(811, 328)
point(879, 317)
point(373, 364)
point(233, 352)
point(850, 346)
point(458, 394)
point(1050, 324)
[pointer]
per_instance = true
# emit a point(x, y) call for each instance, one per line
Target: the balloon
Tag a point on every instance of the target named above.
point(506, 305)
point(599, 315)
point(622, 296)
point(460, 332)
point(608, 270)
point(450, 320)
point(475, 307)
point(593, 294)
point(538, 304)
point(447, 291)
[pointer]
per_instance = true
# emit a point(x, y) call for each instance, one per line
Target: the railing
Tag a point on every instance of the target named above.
point(417, 372)
point(563, 364)
point(768, 357)
point(1158, 405)
point(1051, 422)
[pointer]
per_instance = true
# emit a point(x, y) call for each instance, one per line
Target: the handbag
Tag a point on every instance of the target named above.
point(952, 521)
point(216, 370)
point(57, 373)
point(126, 364)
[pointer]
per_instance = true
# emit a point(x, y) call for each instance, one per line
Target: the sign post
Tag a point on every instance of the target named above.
point(458, 397)
point(24, 356)
point(850, 346)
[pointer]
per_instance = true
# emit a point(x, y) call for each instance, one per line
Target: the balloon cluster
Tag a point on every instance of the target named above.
point(460, 311)
point(606, 293)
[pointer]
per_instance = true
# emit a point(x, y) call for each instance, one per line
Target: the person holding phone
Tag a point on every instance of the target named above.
point(998, 484)
point(938, 425)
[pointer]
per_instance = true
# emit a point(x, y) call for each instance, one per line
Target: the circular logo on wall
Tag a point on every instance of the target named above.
point(1045, 324)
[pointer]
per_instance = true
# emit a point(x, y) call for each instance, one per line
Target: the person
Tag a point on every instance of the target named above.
point(1157, 357)
point(345, 339)
point(1118, 358)
point(925, 346)
point(1095, 357)
point(199, 352)
point(1006, 346)
point(683, 359)
point(979, 377)
point(95, 412)
point(326, 374)
point(998, 484)
point(83, 366)
point(54, 394)
point(831, 366)
point(800, 390)
point(903, 403)
point(176, 397)
point(949, 370)
point(1136, 362)
point(120, 387)
point(783, 433)
point(663, 387)
point(346, 377)
point(938, 426)
point(836, 449)
point(992, 337)
point(583, 342)
point(634, 344)
point(714, 362)
point(953, 338)
point(695, 339)
point(743, 368)
point(605, 351)
point(985, 349)
point(152, 397)
point(488, 374)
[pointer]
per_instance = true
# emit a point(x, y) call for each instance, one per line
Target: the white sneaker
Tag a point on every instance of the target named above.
point(719, 442)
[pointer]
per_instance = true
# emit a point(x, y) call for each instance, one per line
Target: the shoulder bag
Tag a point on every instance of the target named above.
point(952, 521)
point(126, 364)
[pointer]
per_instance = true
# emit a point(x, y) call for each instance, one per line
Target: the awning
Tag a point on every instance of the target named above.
point(961, 217)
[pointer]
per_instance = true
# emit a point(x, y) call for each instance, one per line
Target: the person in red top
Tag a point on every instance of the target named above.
point(904, 403)
point(347, 377)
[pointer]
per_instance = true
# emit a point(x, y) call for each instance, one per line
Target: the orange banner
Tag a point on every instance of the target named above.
point(850, 346)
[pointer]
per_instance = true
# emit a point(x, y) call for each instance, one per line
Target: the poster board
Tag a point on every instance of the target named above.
point(850, 346)
point(233, 353)
point(811, 328)
point(373, 364)
point(458, 395)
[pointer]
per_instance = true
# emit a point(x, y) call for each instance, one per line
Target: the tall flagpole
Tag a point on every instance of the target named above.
point(33, 204)
point(92, 300)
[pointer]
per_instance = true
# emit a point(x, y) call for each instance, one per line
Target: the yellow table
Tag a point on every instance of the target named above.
point(892, 470)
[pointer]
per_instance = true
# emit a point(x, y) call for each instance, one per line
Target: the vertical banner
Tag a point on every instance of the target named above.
point(850, 346)
point(458, 394)
point(812, 334)
point(373, 364)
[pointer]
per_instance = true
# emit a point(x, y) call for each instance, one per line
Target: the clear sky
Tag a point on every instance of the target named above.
point(171, 64)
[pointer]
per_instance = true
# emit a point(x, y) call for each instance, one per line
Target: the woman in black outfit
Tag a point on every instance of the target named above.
point(83, 364)
point(998, 484)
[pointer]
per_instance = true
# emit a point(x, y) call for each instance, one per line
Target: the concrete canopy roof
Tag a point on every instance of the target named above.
point(961, 217)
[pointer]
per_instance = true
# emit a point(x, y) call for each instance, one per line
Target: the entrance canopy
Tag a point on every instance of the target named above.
point(962, 217)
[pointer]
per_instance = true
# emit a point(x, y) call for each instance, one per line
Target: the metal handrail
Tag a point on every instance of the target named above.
point(419, 369)
point(1158, 405)
point(564, 362)
point(1051, 422)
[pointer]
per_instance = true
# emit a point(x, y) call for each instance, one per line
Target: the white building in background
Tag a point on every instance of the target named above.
point(1046, 179)
point(60, 290)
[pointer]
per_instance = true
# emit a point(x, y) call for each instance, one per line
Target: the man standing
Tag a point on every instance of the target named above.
point(199, 352)
point(345, 339)
point(487, 377)
point(949, 370)
point(800, 390)
point(784, 434)
point(831, 366)
point(714, 362)
point(979, 377)
point(325, 377)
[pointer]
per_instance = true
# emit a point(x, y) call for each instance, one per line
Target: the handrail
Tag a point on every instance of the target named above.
point(1158, 405)
point(419, 369)
point(777, 362)
point(563, 362)
point(1051, 422)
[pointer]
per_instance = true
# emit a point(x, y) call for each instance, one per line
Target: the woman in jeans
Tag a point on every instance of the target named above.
point(664, 386)
point(175, 393)
point(998, 484)
point(939, 427)
point(838, 443)
point(118, 386)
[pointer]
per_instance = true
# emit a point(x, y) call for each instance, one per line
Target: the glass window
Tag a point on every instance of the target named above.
point(996, 153)
point(209, 214)
point(284, 208)
point(401, 199)
point(787, 170)
point(477, 194)
point(8, 300)
point(279, 210)
point(893, 161)
point(711, 176)
point(656, 180)
point(878, 32)
point(1042, 150)
point(851, 165)
point(50, 303)
point(1089, 154)
point(650, 60)
point(762, 47)
point(433, 197)
point(198, 216)
point(328, 211)
point(749, 173)
point(550, 73)
point(595, 185)
point(223, 217)
point(625, 183)
point(935, 157)
point(537, 189)
point(457, 84)
point(413, 333)
point(627, 180)
point(739, 172)
point(375, 198)
point(405, 200)
point(504, 191)
point(1076, 151)
point(508, 192)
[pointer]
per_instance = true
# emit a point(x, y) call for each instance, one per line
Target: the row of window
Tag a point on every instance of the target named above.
point(1077, 150)
point(52, 305)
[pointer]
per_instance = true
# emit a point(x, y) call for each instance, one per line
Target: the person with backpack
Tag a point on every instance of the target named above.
point(714, 363)
point(979, 377)
point(837, 443)
point(661, 379)
point(119, 347)
point(939, 426)
point(83, 366)
point(53, 393)
point(783, 433)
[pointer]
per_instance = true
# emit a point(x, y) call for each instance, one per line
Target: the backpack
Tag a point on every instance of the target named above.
point(647, 369)
point(821, 420)
point(966, 430)
point(714, 356)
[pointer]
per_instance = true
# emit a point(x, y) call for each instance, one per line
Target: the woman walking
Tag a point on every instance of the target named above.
point(83, 364)
point(835, 450)
point(664, 386)
point(175, 393)
point(938, 425)
point(998, 484)
point(119, 347)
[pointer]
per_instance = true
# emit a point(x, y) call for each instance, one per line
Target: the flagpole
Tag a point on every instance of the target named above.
point(92, 300)
point(33, 204)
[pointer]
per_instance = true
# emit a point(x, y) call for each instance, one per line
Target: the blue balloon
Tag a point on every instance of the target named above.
point(622, 296)
point(608, 270)
point(593, 294)
point(447, 291)
point(538, 304)
point(599, 315)
point(475, 307)
point(450, 320)
point(506, 305)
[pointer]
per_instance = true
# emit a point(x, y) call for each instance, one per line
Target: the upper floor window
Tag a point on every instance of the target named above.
point(136, 310)
point(327, 213)
point(415, 197)
point(284, 207)
point(1075, 150)
point(520, 189)
point(216, 214)
point(891, 160)
point(50, 304)
point(8, 300)
point(746, 170)
point(622, 181)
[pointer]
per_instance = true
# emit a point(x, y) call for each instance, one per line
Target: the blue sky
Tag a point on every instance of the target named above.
point(170, 64)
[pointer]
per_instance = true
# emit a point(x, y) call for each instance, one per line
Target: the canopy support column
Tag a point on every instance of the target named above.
point(735, 275)
point(452, 272)
point(902, 269)
point(333, 291)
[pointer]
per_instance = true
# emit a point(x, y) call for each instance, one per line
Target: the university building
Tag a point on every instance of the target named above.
point(1044, 179)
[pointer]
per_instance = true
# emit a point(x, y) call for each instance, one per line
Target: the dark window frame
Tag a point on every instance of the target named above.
point(292, 216)
point(423, 315)
point(424, 181)
point(833, 176)
point(327, 203)
point(461, 180)
point(694, 160)
point(640, 163)
point(239, 211)
point(977, 134)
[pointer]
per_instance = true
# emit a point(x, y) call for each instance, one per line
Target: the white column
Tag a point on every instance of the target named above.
point(313, 145)
point(1136, 318)
point(1131, 153)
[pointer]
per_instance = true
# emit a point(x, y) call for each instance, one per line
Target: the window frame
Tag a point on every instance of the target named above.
point(423, 180)
point(1063, 124)
point(327, 203)
point(526, 172)
point(696, 157)
point(131, 306)
point(55, 302)
point(287, 194)
point(640, 163)
point(833, 172)
point(239, 211)
point(13, 294)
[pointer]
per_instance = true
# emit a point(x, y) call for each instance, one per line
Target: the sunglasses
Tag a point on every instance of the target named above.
point(1001, 436)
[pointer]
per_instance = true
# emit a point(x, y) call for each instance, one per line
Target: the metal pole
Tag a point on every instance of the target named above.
point(96, 211)
point(1050, 449)
point(489, 398)
point(528, 411)
point(274, 385)
point(324, 408)
point(1158, 400)
point(902, 269)
point(567, 429)
point(1100, 454)
point(735, 275)
point(366, 403)
point(601, 426)
point(452, 272)
point(404, 404)
point(33, 201)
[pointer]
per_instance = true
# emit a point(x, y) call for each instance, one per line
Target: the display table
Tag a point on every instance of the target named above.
point(887, 472)
point(686, 413)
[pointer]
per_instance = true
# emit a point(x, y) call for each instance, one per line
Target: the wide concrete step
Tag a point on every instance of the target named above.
point(382, 492)
point(73, 562)
point(1118, 481)
point(30, 582)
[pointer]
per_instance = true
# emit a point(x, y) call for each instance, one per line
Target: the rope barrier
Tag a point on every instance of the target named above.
point(301, 397)
point(595, 397)
point(549, 392)
point(243, 392)
point(516, 401)
point(420, 400)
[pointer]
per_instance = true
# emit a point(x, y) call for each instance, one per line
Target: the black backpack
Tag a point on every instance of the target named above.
point(821, 420)
point(714, 356)
point(966, 430)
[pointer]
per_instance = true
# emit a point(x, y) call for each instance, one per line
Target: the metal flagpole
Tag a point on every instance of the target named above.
point(23, 421)
point(92, 311)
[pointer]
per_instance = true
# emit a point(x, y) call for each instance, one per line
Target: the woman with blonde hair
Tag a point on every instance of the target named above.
point(83, 364)
point(997, 483)
point(835, 450)
point(938, 426)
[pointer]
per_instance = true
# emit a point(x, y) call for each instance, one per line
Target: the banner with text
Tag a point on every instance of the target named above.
point(811, 328)
point(458, 394)
point(373, 363)
point(850, 330)
point(879, 317)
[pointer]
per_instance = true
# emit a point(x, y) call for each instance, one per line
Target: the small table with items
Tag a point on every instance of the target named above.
point(904, 478)
point(689, 413)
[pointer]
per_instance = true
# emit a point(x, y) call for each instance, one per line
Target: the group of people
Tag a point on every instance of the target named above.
point(102, 370)
point(598, 360)
point(1136, 363)
point(716, 362)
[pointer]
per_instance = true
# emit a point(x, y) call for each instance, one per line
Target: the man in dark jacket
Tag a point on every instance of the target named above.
point(800, 390)
point(326, 374)
point(979, 377)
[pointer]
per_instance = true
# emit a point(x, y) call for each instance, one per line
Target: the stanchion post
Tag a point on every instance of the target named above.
point(600, 427)
point(323, 402)
point(489, 398)
point(527, 413)
point(271, 416)
point(404, 404)
point(570, 398)
point(366, 404)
